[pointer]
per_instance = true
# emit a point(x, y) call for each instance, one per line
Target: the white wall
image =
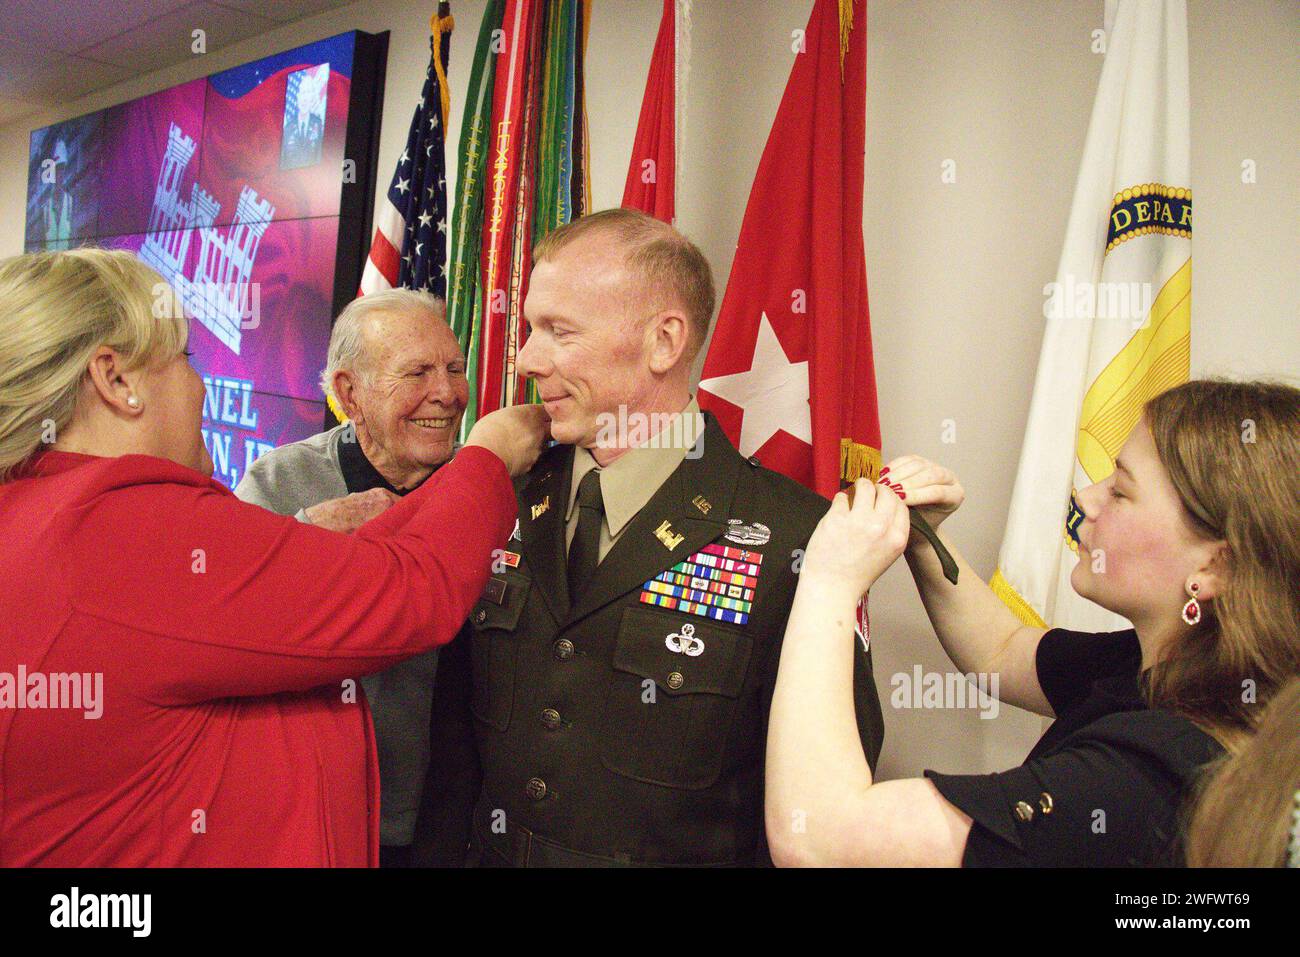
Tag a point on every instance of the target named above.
point(955, 272)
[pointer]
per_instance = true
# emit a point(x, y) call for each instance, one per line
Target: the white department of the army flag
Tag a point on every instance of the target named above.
point(1119, 314)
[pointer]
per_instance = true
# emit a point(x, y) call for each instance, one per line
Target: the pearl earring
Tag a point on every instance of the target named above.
point(1192, 610)
point(133, 402)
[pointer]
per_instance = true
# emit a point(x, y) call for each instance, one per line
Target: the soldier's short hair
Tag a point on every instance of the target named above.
point(664, 259)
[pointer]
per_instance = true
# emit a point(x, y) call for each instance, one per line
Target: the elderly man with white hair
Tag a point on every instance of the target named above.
point(397, 371)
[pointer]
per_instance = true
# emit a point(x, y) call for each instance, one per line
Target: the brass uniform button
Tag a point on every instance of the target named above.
point(551, 719)
point(535, 789)
point(562, 649)
point(675, 680)
point(1045, 803)
point(1024, 811)
point(481, 616)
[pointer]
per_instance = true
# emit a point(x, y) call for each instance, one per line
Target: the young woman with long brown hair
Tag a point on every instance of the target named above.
point(1198, 524)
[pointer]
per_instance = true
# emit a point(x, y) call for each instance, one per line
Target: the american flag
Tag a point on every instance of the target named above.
point(410, 244)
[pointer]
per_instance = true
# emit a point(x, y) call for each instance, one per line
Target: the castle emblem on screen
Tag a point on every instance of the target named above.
point(220, 293)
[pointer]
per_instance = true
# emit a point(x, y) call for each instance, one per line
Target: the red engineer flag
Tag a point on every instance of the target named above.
point(652, 173)
point(789, 373)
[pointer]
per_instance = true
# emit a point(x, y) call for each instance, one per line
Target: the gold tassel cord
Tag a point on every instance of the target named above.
point(438, 26)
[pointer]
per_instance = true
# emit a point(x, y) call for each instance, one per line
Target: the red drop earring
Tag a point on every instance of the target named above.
point(1192, 610)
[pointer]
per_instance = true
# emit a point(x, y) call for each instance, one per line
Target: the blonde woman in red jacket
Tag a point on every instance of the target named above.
point(178, 668)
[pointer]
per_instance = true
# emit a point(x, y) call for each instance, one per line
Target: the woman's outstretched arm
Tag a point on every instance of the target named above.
point(979, 632)
point(822, 807)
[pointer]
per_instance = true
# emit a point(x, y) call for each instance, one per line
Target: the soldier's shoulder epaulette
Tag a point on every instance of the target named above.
point(551, 455)
point(793, 497)
point(550, 459)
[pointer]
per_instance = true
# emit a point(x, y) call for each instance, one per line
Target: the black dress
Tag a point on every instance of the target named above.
point(1104, 787)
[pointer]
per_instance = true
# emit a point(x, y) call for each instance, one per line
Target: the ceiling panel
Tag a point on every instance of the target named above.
point(53, 51)
point(66, 26)
point(46, 78)
point(284, 11)
point(170, 38)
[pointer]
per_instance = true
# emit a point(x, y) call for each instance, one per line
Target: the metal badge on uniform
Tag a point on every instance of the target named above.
point(752, 534)
point(702, 503)
point(716, 582)
point(495, 591)
point(685, 642)
point(515, 536)
point(541, 507)
point(665, 534)
point(510, 559)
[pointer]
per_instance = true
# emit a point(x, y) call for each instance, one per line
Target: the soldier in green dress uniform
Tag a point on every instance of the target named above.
point(623, 656)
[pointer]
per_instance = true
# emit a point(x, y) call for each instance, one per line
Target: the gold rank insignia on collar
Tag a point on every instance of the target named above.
point(541, 507)
point(702, 504)
point(665, 534)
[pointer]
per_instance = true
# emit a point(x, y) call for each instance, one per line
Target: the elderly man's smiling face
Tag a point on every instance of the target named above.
point(411, 393)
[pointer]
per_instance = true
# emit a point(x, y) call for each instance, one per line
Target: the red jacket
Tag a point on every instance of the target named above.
point(226, 637)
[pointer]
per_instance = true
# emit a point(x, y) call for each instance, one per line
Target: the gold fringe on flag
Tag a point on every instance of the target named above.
point(858, 461)
point(1012, 599)
point(846, 27)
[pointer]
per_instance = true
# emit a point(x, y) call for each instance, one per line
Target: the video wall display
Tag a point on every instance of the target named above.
point(249, 191)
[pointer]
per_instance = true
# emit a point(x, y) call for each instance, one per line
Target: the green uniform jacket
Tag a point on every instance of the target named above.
point(601, 739)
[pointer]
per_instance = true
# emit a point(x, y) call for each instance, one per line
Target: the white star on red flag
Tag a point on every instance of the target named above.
point(772, 395)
